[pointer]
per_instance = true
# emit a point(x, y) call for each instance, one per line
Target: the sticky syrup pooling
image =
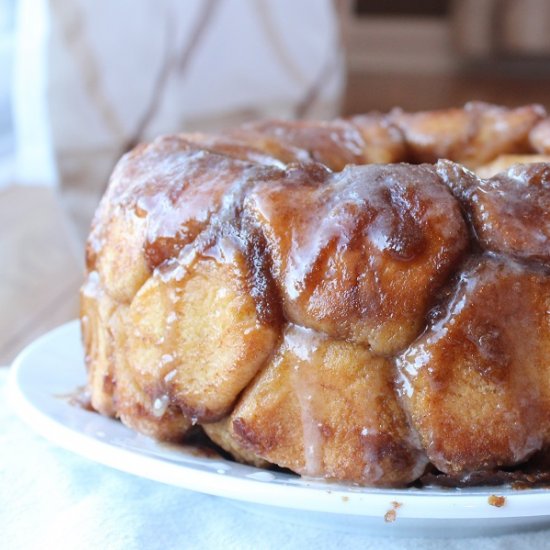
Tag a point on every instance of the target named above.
point(335, 322)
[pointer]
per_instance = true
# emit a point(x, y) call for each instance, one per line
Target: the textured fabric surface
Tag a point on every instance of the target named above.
point(51, 498)
point(92, 79)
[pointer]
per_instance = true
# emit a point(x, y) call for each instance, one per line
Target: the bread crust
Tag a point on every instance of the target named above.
point(355, 300)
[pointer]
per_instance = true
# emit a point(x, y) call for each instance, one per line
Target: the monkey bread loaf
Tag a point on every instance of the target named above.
point(362, 300)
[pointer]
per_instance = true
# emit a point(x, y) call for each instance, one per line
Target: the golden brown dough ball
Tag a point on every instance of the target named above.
point(510, 212)
point(476, 383)
point(473, 135)
point(360, 254)
point(327, 408)
point(195, 339)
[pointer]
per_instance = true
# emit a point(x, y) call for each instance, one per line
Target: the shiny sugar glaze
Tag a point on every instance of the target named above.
point(422, 287)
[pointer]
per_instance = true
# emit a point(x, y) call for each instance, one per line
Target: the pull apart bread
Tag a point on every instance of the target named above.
point(363, 300)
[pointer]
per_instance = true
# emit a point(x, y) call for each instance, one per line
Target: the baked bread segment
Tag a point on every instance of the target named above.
point(136, 405)
point(539, 137)
point(359, 140)
point(161, 197)
point(510, 212)
point(221, 433)
point(314, 298)
point(503, 162)
point(472, 135)
point(96, 310)
point(327, 408)
point(476, 383)
point(196, 339)
point(249, 145)
point(384, 141)
point(360, 254)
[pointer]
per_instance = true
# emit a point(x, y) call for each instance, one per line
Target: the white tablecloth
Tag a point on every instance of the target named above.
point(51, 498)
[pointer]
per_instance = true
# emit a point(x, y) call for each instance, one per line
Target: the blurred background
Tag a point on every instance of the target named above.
point(82, 82)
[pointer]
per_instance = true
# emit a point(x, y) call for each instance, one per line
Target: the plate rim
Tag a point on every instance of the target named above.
point(305, 495)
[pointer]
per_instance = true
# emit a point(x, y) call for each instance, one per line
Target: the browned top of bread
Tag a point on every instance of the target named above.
point(329, 296)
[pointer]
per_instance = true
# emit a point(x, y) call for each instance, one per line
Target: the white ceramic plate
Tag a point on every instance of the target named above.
point(52, 367)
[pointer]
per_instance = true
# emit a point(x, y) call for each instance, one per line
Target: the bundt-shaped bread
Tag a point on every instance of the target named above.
point(332, 297)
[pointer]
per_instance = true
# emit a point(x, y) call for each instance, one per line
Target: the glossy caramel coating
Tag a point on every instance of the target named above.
point(503, 162)
point(327, 408)
point(249, 145)
point(473, 135)
point(476, 384)
point(336, 144)
point(384, 141)
point(510, 212)
point(161, 197)
point(360, 254)
point(275, 285)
